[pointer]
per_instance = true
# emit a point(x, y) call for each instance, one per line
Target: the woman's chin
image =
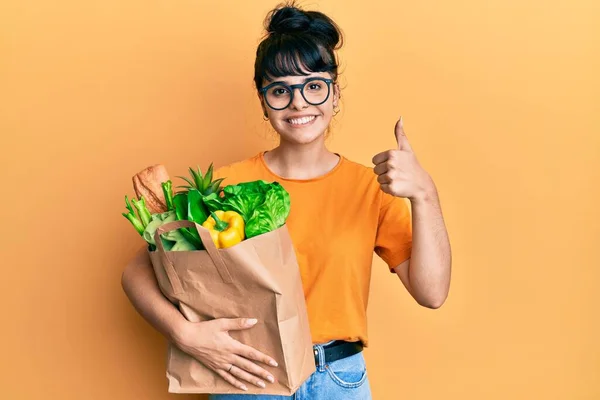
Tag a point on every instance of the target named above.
point(302, 136)
point(302, 139)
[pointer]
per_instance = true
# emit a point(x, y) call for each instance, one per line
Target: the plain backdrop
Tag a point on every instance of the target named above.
point(500, 100)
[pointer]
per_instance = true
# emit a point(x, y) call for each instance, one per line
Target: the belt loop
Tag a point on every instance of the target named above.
point(320, 357)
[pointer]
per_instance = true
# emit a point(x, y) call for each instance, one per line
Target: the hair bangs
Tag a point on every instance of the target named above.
point(294, 55)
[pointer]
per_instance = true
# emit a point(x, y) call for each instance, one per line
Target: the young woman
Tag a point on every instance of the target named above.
point(342, 212)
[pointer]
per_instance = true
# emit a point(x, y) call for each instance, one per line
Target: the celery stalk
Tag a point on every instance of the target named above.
point(137, 224)
point(143, 212)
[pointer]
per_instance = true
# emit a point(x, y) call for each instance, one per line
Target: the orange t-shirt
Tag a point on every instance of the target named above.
point(336, 222)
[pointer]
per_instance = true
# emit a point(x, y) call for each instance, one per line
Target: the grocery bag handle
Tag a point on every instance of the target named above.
point(208, 243)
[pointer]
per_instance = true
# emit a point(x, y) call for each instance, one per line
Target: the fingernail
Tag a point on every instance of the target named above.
point(273, 363)
point(252, 321)
point(270, 379)
point(261, 384)
point(401, 122)
point(244, 387)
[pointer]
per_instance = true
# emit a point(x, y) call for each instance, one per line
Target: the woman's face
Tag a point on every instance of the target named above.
point(301, 122)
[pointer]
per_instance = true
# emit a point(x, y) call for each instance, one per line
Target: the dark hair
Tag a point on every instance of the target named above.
point(297, 42)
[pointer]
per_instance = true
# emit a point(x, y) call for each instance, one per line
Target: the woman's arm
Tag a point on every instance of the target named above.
point(141, 287)
point(209, 342)
point(426, 275)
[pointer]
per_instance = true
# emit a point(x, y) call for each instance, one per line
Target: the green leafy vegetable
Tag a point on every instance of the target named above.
point(264, 206)
point(173, 240)
point(157, 221)
point(271, 213)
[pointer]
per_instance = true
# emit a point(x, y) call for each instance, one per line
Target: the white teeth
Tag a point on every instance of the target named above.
point(301, 121)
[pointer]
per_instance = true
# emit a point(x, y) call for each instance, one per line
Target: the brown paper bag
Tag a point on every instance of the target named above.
point(257, 278)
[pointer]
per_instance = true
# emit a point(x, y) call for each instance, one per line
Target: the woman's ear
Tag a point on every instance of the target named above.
point(337, 94)
point(262, 105)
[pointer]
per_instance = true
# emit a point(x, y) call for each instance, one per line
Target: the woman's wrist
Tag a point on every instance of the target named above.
point(176, 329)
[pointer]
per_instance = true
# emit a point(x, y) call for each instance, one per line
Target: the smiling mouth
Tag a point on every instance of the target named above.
point(301, 121)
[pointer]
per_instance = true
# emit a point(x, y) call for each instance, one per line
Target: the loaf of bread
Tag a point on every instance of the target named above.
point(148, 183)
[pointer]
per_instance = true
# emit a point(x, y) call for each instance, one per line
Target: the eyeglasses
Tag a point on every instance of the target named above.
point(279, 96)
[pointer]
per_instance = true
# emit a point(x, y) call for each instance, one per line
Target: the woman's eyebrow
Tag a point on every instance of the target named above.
point(289, 84)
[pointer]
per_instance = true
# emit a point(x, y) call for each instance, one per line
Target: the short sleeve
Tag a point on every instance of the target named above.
point(393, 242)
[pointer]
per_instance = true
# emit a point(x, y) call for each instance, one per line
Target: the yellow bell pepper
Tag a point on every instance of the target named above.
point(226, 228)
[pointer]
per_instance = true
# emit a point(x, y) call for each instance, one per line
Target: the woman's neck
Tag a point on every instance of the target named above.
point(307, 161)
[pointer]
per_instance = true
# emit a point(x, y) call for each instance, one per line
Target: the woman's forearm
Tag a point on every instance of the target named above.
point(141, 287)
point(430, 263)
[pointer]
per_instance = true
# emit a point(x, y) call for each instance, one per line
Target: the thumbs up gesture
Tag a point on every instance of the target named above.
point(398, 171)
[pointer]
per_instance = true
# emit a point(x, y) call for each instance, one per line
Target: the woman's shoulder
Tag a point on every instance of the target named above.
point(361, 176)
point(241, 170)
point(355, 166)
point(358, 170)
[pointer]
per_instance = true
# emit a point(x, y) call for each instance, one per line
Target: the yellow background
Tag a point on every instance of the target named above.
point(501, 104)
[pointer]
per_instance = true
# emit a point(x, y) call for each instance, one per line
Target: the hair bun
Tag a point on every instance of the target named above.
point(291, 20)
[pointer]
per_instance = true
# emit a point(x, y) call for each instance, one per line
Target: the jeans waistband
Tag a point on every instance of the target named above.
point(325, 353)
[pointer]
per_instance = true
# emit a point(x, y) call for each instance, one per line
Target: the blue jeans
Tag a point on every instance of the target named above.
point(344, 379)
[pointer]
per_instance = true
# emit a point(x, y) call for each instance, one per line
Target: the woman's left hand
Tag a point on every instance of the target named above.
point(399, 172)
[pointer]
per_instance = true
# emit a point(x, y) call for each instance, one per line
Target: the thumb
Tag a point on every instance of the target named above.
point(401, 138)
point(233, 324)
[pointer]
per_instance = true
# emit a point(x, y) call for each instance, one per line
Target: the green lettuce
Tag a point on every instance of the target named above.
point(264, 206)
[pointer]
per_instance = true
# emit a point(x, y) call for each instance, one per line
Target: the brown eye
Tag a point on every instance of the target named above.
point(279, 91)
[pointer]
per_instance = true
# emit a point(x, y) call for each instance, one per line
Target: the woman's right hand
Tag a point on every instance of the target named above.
point(210, 343)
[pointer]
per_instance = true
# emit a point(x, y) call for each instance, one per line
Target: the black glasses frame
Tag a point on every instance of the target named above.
point(292, 88)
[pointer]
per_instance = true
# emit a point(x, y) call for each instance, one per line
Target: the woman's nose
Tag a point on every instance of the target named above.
point(298, 101)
